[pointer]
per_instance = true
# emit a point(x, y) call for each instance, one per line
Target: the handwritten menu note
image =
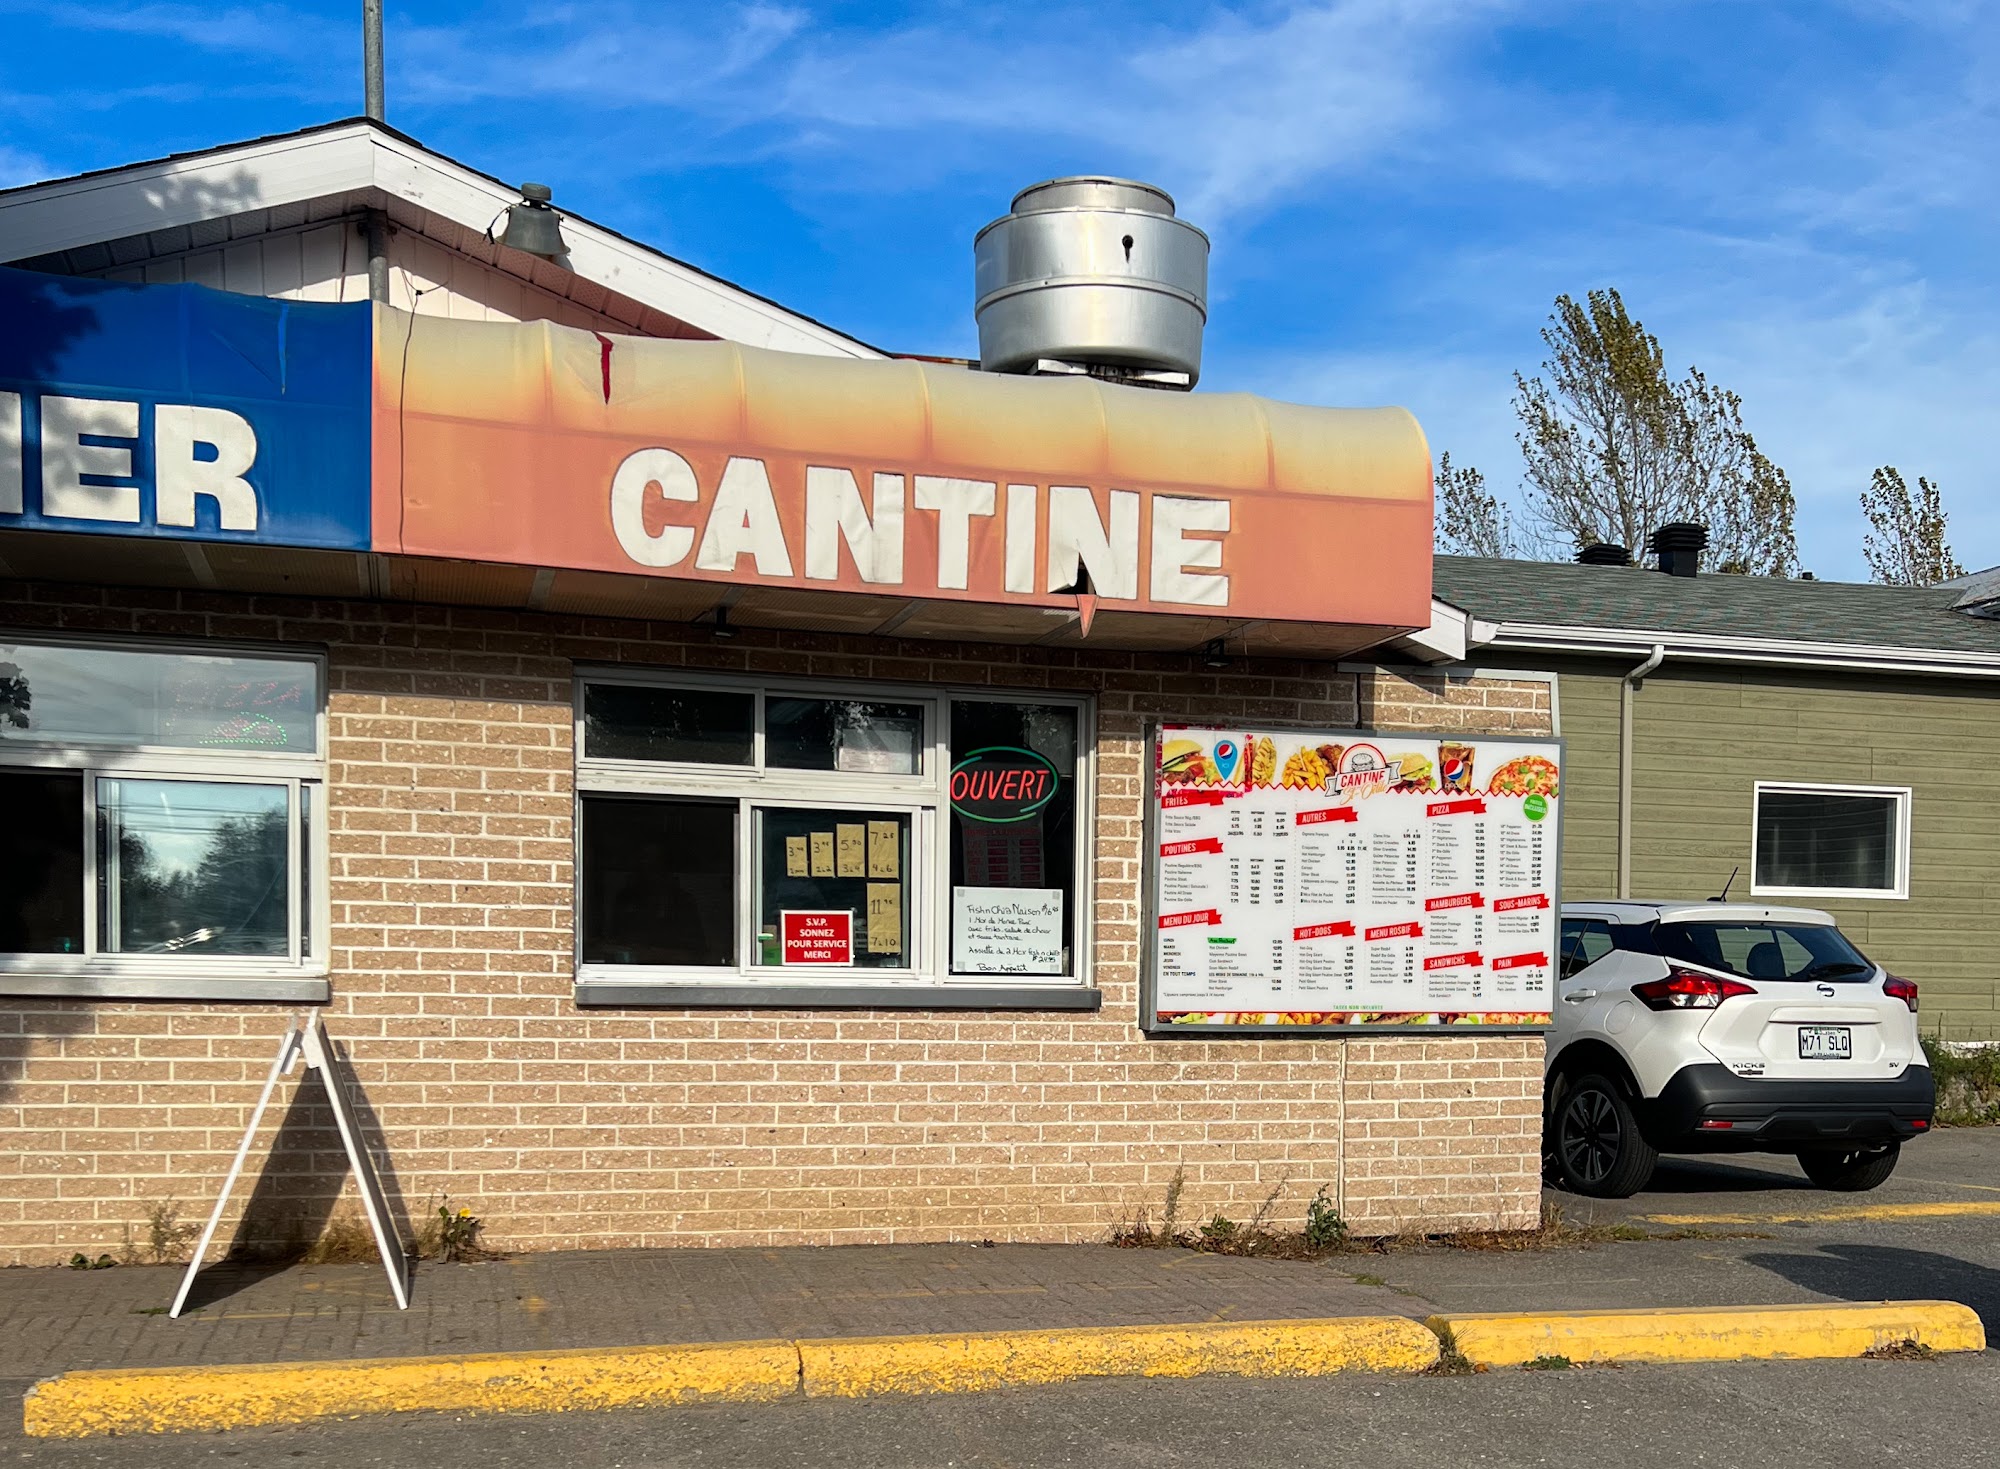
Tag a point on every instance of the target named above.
point(795, 857)
point(850, 846)
point(885, 918)
point(822, 854)
point(884, 849)
point(1007, 930)
point(1346, 878)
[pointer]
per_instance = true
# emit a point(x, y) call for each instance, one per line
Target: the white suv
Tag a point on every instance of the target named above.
point(1726, 1027)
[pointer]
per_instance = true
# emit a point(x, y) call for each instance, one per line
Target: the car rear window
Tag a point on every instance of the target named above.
point(1767, 950)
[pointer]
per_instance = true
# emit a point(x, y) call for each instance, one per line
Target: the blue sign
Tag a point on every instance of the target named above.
point(183, 412)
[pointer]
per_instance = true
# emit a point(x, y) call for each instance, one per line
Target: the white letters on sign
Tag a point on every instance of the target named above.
point(180, 471)
point(1128, 544)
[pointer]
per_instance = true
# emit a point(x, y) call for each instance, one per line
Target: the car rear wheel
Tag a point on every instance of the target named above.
point(1851, 1170)
point(1596, 1145)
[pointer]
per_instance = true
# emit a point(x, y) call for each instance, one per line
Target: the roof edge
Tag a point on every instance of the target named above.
point(1719, 648)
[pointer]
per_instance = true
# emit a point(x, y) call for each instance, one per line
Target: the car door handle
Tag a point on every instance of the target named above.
point(1577, 997)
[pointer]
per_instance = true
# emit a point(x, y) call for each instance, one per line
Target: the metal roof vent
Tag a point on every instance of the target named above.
point(1679, 545)
point(1600, 553)
point(1093, 276)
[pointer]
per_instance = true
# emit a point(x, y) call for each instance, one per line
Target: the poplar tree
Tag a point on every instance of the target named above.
point(1616, 448)
point(1905, 545)
point(1468, 520)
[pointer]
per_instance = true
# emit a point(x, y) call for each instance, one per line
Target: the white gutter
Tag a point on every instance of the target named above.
point(1627, 688)
point(1714, 648)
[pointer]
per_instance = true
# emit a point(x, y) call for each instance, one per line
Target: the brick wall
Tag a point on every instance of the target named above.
point(450, 796)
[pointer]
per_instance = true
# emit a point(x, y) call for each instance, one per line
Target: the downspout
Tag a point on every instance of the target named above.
point(1626, 690)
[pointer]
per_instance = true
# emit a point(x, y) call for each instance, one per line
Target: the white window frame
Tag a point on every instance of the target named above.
point(95, 974)
point(1901, 795)
point(925, 797)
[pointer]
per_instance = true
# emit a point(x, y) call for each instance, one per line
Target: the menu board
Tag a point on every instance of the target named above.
point(1341, 878)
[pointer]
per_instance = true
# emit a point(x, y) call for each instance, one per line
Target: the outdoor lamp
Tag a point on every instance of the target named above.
point(532, 226)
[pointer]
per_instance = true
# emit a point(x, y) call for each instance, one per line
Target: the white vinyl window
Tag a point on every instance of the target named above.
point(1830, 841)
point(166, 821)
point(775, 833)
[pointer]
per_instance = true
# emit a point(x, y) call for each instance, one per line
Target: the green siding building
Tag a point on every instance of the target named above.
point(1836, 746)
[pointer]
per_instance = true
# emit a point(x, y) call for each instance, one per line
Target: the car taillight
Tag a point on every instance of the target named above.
point(1689, 989)
point(1898, 988)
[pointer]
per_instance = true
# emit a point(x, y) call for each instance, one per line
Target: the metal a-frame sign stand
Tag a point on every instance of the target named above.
point(307, 1040)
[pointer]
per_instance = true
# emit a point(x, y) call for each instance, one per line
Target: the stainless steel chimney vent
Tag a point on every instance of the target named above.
point(1092, 275)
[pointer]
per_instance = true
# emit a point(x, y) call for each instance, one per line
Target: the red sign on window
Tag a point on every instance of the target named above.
point(821, 938)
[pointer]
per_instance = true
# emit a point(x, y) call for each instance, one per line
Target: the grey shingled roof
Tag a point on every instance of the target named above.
point(1640, 599)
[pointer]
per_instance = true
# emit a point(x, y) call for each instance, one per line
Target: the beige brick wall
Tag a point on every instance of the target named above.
point(450, 789)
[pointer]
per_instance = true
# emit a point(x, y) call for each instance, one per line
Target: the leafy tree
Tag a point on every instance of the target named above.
point(1905, 545)
point(1469, 521)
point(1615, 448)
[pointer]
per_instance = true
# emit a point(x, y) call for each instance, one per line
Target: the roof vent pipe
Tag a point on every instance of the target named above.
point(1679, 545)
point(1092, 276)
point(1599, 553)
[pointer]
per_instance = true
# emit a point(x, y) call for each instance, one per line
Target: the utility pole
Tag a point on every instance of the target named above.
point(371, 58)
point(375, 226)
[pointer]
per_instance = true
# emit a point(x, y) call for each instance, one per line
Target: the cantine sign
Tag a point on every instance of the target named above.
point(1001, 784)
point(1043, 546)
point(542, 446)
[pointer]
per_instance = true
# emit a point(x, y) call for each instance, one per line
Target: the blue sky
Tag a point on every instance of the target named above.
point(1798, 197)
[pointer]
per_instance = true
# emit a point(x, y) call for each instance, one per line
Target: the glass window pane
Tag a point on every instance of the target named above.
point(1767, 950)
point(1806, 840)
point(41, 863)
point(843, 734)
point(1013, 837)
point(136, 697)
point(305, 901)
point(659, 881)
point(844, 876)
point(634, 722)
point(193, 867)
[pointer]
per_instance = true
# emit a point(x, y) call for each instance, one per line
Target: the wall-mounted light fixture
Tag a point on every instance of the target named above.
point(533, 227)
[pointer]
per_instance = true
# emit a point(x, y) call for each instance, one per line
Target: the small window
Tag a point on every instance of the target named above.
point(1831, 841)
point(851, 867)
point(700, 726)
point(1013, 837)
point(658, 880)
point(164, 820)
point(856, 735)
point(1585, 941)
point(193, 867)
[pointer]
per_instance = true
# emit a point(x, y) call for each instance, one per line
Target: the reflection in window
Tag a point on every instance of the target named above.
point(1824, 840)
point(843, 734)
point(193, 867)
point(134, 697)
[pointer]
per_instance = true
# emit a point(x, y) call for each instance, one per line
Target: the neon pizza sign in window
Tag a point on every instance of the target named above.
point(1002, 783)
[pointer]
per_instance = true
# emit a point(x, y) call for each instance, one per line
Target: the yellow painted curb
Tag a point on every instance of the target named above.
point(1507, 1339)
point(163, 1399)
point(1955, 1209)
point(861, 1367)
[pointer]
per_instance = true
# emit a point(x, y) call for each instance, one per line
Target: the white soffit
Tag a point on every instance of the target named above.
point(297, 168)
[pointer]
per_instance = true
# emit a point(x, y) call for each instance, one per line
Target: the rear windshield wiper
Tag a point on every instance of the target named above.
point(1836, 966)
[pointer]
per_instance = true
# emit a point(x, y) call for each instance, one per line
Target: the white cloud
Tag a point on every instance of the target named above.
point(17, 167)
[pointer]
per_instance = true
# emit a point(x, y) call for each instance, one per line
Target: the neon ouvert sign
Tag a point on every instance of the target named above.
point(1002, 783)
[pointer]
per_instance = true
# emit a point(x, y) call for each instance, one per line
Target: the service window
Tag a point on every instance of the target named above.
point(163, 821)
point(1831, 841)
point(777, 834)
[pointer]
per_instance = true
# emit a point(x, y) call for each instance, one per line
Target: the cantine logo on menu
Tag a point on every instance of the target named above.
point(1002, 783)
point(1181, 561)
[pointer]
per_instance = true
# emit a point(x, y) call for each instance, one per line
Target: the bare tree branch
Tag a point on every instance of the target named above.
point(1469, 521)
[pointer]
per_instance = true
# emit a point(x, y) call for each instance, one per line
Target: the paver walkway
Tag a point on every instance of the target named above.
point(61, 1320)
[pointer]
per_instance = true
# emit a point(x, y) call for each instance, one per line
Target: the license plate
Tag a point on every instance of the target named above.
point(1826, 1043)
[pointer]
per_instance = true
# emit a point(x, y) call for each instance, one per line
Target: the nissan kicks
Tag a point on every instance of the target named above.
point(1726, 1028)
